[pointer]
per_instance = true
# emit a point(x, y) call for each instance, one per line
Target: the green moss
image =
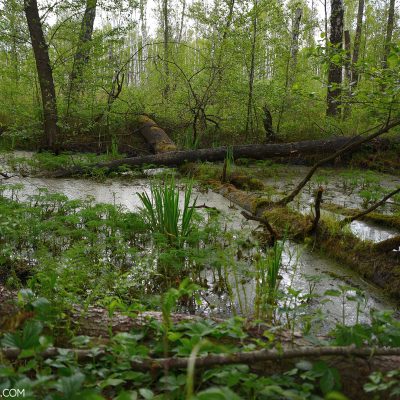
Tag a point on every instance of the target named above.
point(391, 221)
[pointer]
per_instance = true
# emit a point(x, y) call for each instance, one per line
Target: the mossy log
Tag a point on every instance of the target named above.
point(156, 137)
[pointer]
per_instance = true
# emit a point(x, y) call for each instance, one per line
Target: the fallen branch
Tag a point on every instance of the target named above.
point(250, 357)
point(206, 207)
point(352, 145)
point(318, 199)
point(379, 203)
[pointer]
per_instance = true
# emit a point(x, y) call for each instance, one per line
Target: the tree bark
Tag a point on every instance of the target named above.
point(81, 57)
point(335, 68)
point(165, 14)
point(347, 73)
point(254, 151)
point(357, 44)
point(45, 73)
point(389, 33)
point(249, 117)
point(291, 64)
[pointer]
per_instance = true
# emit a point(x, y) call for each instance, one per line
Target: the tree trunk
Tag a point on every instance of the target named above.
point(347, 74)
point(357, 44)
point(291, 64)
point(166, 45)
point(156, 137)
point(389, 33)
point(335, 68)
point(249, 118)
point(81, 57)
point(45, 73)
point(254, 151)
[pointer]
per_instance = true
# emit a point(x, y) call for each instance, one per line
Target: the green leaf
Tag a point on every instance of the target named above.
point(222, 393)
point(127, 396)
point(147, 394)
point(335, 396)
point(70, 385)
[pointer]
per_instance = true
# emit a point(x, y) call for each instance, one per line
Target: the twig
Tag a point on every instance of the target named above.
point(351, 146)
point(318, 199)
point(263, 221)
point(207, 207)
point(349, 220)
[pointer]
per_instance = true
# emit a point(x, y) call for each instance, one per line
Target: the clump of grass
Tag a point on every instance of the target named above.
point(267, 282)
point(163, 214)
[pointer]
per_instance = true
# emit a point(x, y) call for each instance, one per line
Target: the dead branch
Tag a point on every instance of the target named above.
point(350, 146)
point(318, 199)
point(379, 203)
point(264, 221)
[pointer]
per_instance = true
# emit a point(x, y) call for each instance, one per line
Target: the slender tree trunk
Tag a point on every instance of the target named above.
point(347, 74)
point(389, 33)
point(291, 64)
point(357, 44)
point(335, 69)
point(182, 21)
point(44, 71)
point(166, 46)
point(143, 53)
point(326, 23)
point(249, 118)
point(81, 57)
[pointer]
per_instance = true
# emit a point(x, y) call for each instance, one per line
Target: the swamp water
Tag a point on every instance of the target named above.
point(303, 272)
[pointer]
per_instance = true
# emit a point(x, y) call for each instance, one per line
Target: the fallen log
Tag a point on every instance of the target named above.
point(156, 137)
point(254, 151)
point(353, 364)
point(388, 245)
